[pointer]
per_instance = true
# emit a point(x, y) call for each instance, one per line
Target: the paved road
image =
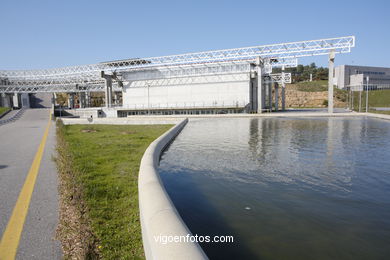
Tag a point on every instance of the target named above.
point(19, 143)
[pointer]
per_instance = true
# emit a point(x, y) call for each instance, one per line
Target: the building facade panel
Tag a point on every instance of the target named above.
point(345, 75)
point(221, 94)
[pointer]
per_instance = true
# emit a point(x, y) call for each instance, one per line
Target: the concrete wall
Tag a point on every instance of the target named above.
point(83, 112)
point(159, 216)
point(197, 95)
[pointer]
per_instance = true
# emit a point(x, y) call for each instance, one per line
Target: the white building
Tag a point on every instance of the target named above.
point(221, 89)
point(349, 75)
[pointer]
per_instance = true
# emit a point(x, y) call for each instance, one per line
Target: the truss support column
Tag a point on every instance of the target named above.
point(82, 100)
point(276, 96)
point(116, 98)
point(253, 93)
point(260, 92)
point(110, 94)
point(252, 90)
point(15, 100)
point(106, 94)
point(283, 91)
point(53, 100)
point(269, 85)
point(87, 99)
point(53, 104)
point(263, 95)
point(108, 88)
point(330, 81)
point(71, 100)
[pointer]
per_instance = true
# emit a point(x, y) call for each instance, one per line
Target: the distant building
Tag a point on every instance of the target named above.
point(350, 75)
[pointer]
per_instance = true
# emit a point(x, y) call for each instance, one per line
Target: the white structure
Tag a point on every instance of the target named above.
point(199, 95)
point(350, 75)
point(203, 78)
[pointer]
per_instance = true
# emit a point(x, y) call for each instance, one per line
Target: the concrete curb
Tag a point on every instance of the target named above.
point(158, 215)
point(120, 121)
point(381, 116)
point(13, 118)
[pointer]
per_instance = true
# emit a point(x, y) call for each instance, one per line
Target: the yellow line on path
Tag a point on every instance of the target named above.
point(10, 240)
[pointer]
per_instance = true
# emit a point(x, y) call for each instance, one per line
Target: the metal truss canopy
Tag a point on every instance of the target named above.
point(233, 61)
point(279, 77)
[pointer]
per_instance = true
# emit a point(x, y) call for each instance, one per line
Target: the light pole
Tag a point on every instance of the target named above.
point(367, 79)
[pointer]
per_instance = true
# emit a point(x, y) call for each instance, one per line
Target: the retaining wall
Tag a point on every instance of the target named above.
point(159, 216)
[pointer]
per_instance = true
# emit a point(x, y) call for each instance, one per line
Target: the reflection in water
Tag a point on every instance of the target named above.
point(316, 188)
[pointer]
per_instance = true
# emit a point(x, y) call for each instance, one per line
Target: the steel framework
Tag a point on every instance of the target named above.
point(228, 61)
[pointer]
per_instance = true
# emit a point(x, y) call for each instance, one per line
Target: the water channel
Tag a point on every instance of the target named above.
point(284, 188)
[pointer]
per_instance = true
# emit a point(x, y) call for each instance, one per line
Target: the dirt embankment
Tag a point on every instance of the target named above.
point(298, 98)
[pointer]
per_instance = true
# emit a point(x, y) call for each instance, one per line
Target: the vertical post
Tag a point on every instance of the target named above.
point(106, 95)
point(352, 100)
point(108, 88)
point(83, 99)
point(270, 95)
point(255, 95)
point(115, 98)
point(252, 96)
point(110, 94)
point(277, 96)
point(367, 79)
point(330, 81)
point(148, 100)
point(15, 100)
point(87, 99)
point(53, 104)
point(360, 101)
point(349, 98)
point(260, 94)
point(283, 91)
point(253, 90)
point(71, 100)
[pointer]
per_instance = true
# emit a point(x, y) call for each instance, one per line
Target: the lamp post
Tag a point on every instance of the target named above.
point(367, 79)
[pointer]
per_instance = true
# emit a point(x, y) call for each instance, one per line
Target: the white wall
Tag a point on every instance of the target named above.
point(198, 95)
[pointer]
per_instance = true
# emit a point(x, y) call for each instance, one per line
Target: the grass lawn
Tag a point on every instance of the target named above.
point(379, 112)
point(376, 98)
point(3, 110)
point(99, 165)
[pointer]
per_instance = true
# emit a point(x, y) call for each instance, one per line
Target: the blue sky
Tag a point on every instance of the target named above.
point(45, 34)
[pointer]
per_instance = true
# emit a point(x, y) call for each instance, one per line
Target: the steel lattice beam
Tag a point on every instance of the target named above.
point(280, 77)
point(50, 80)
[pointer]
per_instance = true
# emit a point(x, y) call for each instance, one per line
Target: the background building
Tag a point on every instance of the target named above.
point(346, 75)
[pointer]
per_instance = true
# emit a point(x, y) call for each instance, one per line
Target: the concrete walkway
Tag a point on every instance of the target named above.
point(19, 141)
